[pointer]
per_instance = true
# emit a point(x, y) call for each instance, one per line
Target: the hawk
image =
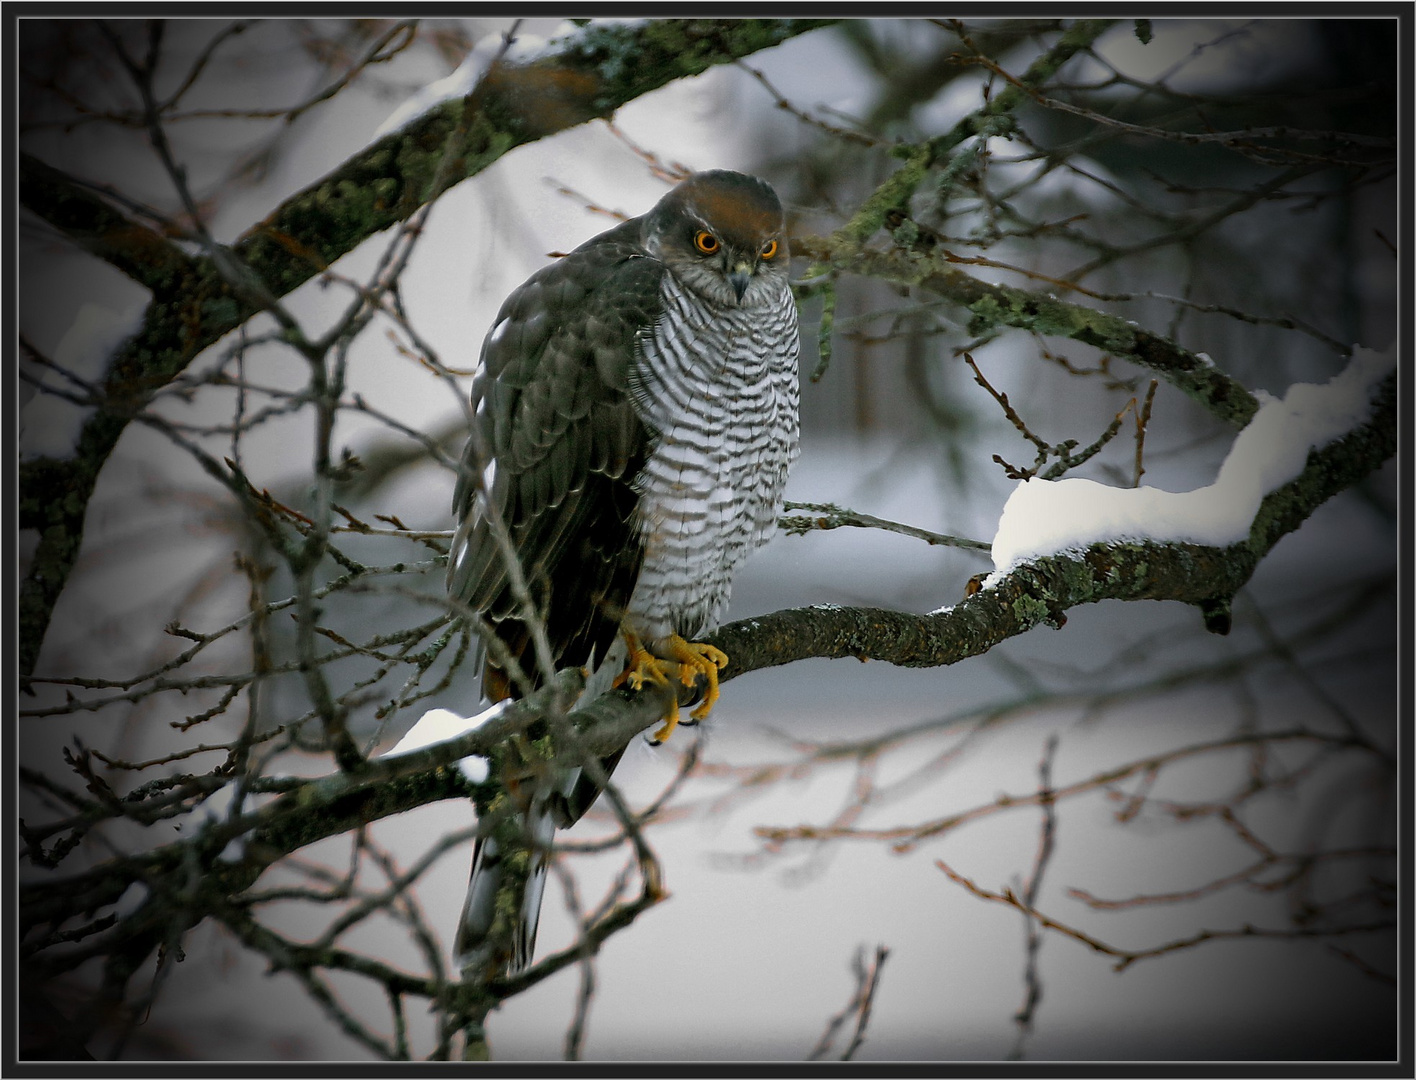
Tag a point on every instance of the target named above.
point(635, 417)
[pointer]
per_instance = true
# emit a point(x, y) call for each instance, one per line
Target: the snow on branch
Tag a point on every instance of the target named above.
point(1044, 517)
point(1315, 443)
point(439, 725)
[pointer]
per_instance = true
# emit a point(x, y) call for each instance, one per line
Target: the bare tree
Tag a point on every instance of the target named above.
point(1076, 235)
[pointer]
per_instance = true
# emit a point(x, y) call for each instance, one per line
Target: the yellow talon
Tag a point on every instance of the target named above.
point(643, 665)
point(639, 666)
point(699, 659)
point(693, 659)
point(671, 721)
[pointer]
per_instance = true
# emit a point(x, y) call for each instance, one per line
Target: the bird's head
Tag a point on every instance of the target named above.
point(724, 236)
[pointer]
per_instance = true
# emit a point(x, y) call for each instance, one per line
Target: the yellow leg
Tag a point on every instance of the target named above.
point(691, 658)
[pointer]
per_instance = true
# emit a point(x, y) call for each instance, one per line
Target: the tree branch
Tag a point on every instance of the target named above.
point(994, 118)
point(992, 306)
point(98, 227)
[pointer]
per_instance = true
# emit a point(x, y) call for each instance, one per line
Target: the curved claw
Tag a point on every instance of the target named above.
point(697, 659)
point(692, 660)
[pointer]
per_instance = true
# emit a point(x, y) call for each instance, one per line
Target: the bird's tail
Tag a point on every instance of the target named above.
point(480, 945)
point(476, 946)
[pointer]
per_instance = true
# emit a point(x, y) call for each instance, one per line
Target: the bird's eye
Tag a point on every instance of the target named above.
point(769, 249)
point(705, 242)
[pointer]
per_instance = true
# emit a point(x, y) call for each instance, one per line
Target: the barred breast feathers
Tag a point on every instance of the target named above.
point(719, 385)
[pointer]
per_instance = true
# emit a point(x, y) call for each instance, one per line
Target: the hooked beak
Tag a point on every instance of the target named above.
point(738, 279)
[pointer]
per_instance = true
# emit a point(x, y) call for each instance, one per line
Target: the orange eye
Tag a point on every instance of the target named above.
point(706, 242)
point(770, 249)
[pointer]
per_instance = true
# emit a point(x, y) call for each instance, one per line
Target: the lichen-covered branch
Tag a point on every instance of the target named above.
point(992, 306)
point(99, 227)
point(994, 118)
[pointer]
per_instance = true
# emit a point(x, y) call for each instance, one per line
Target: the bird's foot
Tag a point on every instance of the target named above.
point(640, 665)
point(697, 659)
point(691, 659)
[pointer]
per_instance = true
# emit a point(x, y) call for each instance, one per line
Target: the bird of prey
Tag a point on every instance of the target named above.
point(635, 417)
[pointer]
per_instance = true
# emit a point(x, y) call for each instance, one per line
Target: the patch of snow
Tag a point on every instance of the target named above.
point(234, 851)
point(216, 805)
point(439, 725)
point(474, 769)
point(1044, 517)
point(217, 808)
point(523, 49)
point(134, 896)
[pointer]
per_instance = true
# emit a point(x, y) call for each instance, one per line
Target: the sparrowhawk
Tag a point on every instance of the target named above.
point(635, 416)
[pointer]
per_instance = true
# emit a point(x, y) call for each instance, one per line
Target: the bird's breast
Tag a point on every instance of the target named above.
point(719, 385)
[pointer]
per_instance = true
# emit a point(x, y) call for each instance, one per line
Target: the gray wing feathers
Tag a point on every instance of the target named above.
point(551, 407)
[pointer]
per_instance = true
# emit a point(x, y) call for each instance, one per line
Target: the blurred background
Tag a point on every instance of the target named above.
point(1272, 265)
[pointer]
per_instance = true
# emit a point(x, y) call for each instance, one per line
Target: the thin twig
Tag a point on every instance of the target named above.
point(1126, 957)
point(859, 1006)
point(1142, 422)
point(831, 516)
point(806, 118)
point(1046, 841)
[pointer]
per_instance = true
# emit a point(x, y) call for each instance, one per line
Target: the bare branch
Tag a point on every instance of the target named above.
point(1046, 841)
point(1126, 957)
point(831, 516)
point(867, 980)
